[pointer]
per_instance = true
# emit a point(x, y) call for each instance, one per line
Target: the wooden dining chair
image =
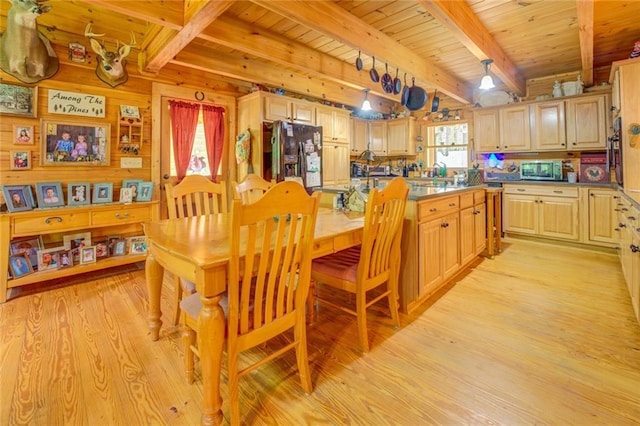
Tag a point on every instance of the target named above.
point(195, 195)
point(268, 283)
point(373, 264)
point(251, 188)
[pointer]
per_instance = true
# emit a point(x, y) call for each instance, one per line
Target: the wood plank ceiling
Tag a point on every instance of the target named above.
point(310, 47)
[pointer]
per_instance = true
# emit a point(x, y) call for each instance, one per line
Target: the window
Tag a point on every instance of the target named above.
point(199, 164)
point(448, 144)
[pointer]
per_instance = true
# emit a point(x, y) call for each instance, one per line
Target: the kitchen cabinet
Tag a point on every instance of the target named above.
point(485, 130)
point(473, 217)
point(628, 229)
point(502, 129)
point(335, 164)
point(586, 122)
point(359, 135)
point(378, 137)
point(288, 109)
point(548, 128)
point(545, 211)
point(334, 123)
point(384, 137)
point(602, 221)
point(401, 134)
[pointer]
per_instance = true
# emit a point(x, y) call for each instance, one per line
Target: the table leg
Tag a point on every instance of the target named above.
point(211, 338)
point(154, 273)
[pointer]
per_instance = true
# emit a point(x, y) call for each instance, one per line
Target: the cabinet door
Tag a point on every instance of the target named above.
point(450, 244)
point(586, 122)
point(277, 108)
point(515, 132)
point(486, 131)
point(630, 113)
point(303, 112)
point(342, 171)
point(341, 129)
point(467, 235)
point(324, 119)
point(400, 137)
point(480, 228)
point(520, 213)
point(602, 221)
point(429, 256)
point(558, 217)
point(548, 131)
point(378, 137)
point(329, 160)
point(359, 136)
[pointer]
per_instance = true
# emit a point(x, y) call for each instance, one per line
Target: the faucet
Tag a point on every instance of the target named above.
point(436, 170)
point(443, 170)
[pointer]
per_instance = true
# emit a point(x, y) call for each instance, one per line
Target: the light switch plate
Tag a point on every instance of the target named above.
point(131, 163)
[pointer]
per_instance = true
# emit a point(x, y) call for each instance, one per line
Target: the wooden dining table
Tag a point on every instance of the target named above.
point(198, 249)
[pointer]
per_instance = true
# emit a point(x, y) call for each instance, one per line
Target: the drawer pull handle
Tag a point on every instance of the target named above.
point(557, 192)
point(452, 204)
point(52, 219)
point(433, 209)
point(124, 216)
point(520, 189)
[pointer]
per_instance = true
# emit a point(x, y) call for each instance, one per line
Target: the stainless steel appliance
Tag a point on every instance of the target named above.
point(541, 170)
point(614, 151)
point(296, 152)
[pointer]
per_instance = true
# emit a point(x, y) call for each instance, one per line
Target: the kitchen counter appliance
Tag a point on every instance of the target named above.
point(542, 170)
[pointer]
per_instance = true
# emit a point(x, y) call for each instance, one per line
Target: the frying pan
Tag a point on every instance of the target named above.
point(417, 97)
point(405, 92)
point(436, 101)
point(387, 80)
point(397, 84)
point(373, 73)
point(359, 62)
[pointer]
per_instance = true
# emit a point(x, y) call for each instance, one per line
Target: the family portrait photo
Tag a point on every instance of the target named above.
point(20, 160)
point(28, 246)
point(23, 135)
point(67, 143)
point(49, 194)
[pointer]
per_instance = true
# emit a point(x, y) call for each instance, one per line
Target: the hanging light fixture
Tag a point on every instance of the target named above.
point(366, 105)
point(487, 80)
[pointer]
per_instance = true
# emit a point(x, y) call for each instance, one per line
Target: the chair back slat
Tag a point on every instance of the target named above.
point(251, 189)
point(195, 196)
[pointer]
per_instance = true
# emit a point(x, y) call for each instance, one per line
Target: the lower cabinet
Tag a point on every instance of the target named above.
point(473, 226)
point(335, 164)
point(602, 221)
point(628, 235)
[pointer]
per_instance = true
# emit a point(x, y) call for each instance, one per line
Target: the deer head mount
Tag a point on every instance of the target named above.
point(24, 52)
point(111, 67)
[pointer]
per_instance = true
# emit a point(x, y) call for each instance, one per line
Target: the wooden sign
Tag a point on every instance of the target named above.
point(71, 103)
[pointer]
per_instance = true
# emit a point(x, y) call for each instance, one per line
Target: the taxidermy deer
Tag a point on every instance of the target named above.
point(111, 66)
point(24, 52)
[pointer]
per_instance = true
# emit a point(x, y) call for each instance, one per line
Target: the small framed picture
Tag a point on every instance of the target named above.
point(74, 241)
point(126, 195)
point(18, 198)
point(87, 255)
point(111, 243)
point(145, 191)
point(128, 111)
point(20, 159)
point(120, 248)
point(102, 193)
point(77, 52)
point(20, 265)
point(102, 248)
point(30, 246)
point(65, 259)
point(49, 194)
point(48, 258)
point(19, 100)
point(138, 245)
point(78, 193)
point(133, 184)
point(23, 135)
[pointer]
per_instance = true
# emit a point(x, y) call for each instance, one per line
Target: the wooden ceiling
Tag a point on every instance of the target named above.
point(310, 47)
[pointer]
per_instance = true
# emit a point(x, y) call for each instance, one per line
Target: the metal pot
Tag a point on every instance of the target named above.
point(373, 73)
point(405, 92)
point(397, 84)
point(436, 101)
point(417, 97)
point(387, 80)
point(359, 62)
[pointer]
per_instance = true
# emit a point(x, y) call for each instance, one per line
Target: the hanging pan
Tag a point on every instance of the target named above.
point(405, 92)
point(417, 97)
point(359, 62)
point(373, 73)
point(436, 101)
point(387, 80)
point(397, 84)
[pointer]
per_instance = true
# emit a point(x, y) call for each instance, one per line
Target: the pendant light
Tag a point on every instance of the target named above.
point(366, 105)
point(487, 80)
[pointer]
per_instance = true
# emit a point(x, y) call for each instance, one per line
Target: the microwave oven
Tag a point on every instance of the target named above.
point(541, 170)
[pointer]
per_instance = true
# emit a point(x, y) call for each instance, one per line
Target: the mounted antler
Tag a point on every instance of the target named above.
point(111, 66)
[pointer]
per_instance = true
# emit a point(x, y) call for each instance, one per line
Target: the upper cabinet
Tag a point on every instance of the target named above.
point(384, 137)
point(359, 135)
point(401, 136)
point(335, 124)
point(288, 109)
point(548, 126)
point(586, 122)
point(378, 137)
point(502, 129)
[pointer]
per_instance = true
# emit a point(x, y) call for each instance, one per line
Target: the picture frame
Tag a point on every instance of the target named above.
point(102, 248)
point(120, 247)
point(77, 52)
point(126, 195)
point(78, 193)
point(20, 265)
point(102, 193)
point(18, 198)
point(23, 134)
point(48, 258)
point(65, 259)
point(19, 100)
point(111, 243)
point(20, 159)
point(138, 245)
point(128, 111)
point(77, 240)
point(145, 191)
point(132, 183)
point(49, 194)
point(72, 144)
point(29, 245)
point(87, 255)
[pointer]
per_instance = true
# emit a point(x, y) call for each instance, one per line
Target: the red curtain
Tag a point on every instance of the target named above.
point(184, 119)
point(214, 135)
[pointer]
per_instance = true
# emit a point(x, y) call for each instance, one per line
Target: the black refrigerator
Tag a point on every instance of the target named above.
point(296, 152)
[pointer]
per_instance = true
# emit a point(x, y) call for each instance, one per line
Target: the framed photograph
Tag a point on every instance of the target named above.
point(111, 243)
point(23, 135)
point(102, 248)
point(18, 100)
point(78, 193)
point(20, 160)
point(65, 259)
point(145, 191)
point(126, 195)
point(74, 241)
point(138, 245)
point(102, 193)
point(127, 111)
point(49, 194)
point(20, 265)
point(77, 52)
point(18, 197)
point(120, 247)
point(30, 246)
point(65, 144)
point(88, 255)
point(133, 184)
point(48, 258)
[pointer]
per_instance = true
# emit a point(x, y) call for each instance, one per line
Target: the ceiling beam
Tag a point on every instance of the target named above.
point(167, 42)
point(335, 22)
point(585, 27)
point(458, 18)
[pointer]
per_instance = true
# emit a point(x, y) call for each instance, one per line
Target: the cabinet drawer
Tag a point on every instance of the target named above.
point(432, 209)
point(479, 197)
point(51, 222)
point(466, 200)
point(120, 215)
point(549, 191)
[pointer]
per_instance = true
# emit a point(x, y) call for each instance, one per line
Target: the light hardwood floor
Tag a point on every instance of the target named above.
point(539, 335)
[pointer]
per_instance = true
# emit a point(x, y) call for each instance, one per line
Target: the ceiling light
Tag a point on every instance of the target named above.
point(366, 105)
point(487, 80)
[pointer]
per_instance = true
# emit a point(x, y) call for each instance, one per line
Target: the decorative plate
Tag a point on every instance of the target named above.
point(419, 147)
